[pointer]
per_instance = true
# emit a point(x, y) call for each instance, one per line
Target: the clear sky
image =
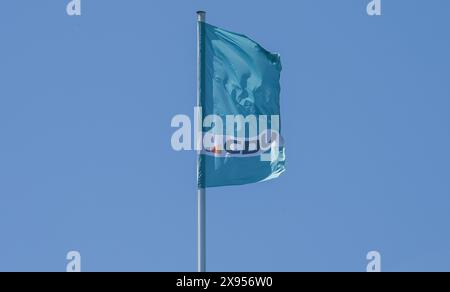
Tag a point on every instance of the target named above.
point(86, 162)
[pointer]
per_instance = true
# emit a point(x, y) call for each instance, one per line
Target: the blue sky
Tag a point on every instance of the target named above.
point(86, 162)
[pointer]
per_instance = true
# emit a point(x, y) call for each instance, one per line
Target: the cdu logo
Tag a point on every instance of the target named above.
point(374, 8)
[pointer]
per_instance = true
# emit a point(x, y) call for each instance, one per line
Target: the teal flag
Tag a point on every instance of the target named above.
point(239, 78)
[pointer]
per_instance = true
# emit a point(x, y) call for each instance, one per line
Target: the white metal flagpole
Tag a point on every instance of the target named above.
point(201, 193)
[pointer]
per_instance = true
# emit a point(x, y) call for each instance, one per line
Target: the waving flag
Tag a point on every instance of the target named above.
point(239, 79)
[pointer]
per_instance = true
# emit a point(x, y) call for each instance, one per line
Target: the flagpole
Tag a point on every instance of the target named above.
point(201, 193)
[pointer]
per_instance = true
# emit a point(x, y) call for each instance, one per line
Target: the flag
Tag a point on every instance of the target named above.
point(241, 80)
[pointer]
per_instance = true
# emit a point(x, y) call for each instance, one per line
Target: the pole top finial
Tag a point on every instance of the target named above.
point(201, 15)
